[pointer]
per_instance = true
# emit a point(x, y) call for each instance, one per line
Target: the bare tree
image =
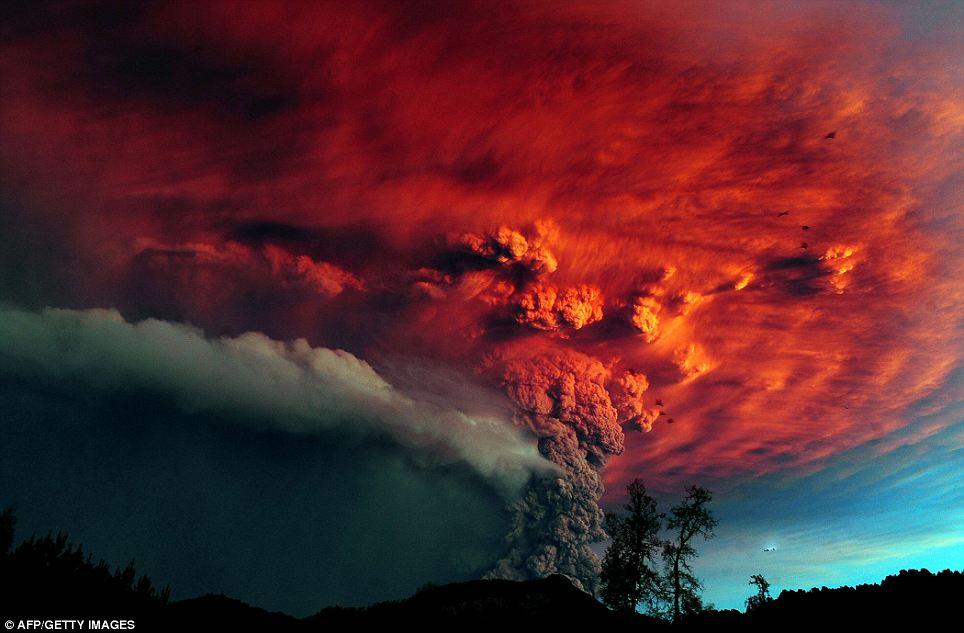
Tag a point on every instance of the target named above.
point(688, 520)
point(629, 575)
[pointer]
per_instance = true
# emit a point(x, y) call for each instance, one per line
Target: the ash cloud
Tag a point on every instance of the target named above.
point(511, 270)
point(510, 247)
point(644, 316)
point(645, 142)
point(208, 449)
point(544, 307)
point(563, 400)
point(628, 398)
point(252, 380)
point(268, 266)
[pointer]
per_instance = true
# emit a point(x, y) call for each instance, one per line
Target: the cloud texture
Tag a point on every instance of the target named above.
point(617, 214)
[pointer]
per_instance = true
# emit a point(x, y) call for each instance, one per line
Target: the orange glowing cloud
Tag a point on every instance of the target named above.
point(622, 183)
point(545, 308)
point(276, 265)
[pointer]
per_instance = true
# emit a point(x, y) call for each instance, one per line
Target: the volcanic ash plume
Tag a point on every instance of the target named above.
point(267, 267)
point(508, 246)
point(645, 317)
point(628, 398)
point(563, 399)
point(544, 307)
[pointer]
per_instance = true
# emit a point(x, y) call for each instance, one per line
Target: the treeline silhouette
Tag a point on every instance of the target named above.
point(49, 577)
point(909, 597)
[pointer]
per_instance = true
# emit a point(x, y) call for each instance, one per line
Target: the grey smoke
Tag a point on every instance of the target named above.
point(563, 399)
point(252, 379)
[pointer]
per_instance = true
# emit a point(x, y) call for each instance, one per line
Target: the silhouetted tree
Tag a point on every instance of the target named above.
point(688, 520)
point(762, 595)
point(629, 577)
point(50, 572)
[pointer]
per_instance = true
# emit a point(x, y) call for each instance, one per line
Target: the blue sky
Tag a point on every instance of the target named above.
point(896, 503)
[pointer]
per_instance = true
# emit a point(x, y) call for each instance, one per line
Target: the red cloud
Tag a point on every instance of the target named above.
point(572, 150)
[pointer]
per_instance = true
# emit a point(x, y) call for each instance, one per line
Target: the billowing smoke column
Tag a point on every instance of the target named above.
point(543, 307)
point(563, 397)
point(563, 400)
point(509, 246)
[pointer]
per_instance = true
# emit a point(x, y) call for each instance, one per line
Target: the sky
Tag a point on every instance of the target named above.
point(313, 303)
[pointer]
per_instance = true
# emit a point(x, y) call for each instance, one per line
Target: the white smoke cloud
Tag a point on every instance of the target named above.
point(254, 380)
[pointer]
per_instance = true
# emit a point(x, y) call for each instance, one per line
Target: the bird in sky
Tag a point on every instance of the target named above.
point(769, 549)
point(805, 227)
point(659, 402)
point(803, 245)
point(831, 135)
point(670, 421)
point(783, 213)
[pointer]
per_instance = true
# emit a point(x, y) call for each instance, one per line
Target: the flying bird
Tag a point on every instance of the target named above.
point(803, 245)
point(769, 549)
point(670, 421)
point(805, 227)
point(783, 213)
point(831, 135)
point(659, 402)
